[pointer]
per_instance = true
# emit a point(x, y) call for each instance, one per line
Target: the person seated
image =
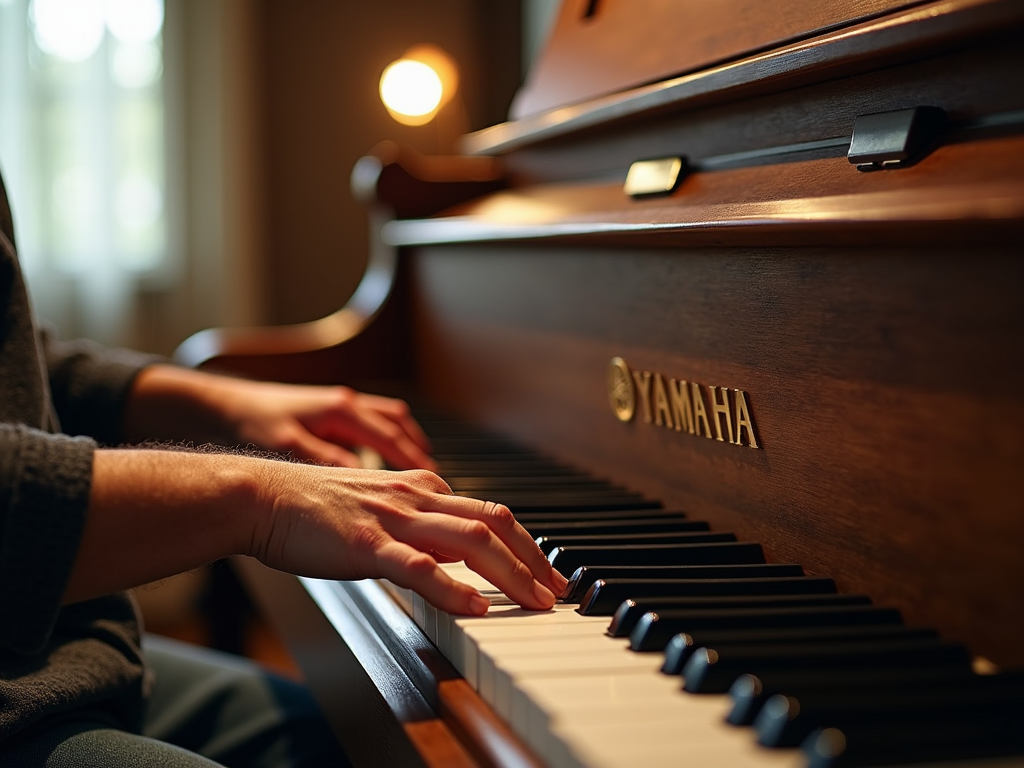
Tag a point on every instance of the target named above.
point(82, 521)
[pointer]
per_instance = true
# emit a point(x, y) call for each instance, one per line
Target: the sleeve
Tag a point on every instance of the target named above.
point(44, 495)
point(90, 385)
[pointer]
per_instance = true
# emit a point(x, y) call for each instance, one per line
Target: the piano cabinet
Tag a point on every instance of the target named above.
point(819, 359)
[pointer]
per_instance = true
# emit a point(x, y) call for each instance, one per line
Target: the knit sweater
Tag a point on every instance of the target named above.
point(58, 401)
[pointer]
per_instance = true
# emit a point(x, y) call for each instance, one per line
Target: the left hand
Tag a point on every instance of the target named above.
point(315, 423)
point(322, 424)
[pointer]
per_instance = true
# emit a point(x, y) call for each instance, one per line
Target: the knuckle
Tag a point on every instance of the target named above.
point(424, 478)
point(477, 532)
point(499, 515)
point(344, 396)
point(420, 565)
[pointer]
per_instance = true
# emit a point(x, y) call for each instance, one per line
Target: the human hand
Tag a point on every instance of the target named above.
point(340, 523)
point(324, 424)
point(314, 423)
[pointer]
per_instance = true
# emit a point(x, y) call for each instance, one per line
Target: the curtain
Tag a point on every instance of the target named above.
point(83, 152)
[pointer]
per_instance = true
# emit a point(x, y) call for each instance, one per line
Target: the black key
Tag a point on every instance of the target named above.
point(891, 743)
point(586, 576)
point(785, 721)
point(567, 502)
point(683, 645)
point(554, 516)
point(654, 630)
point(493, 484)
point(668, 521)
point(548, 543)
point(453, 471)
point(480, 445)
point(567, 559)
point(631, 611)
point(606, 595)
point(711, 671)
point(749, 692)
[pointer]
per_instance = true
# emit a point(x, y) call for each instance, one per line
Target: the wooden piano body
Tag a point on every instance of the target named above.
point(873, 321)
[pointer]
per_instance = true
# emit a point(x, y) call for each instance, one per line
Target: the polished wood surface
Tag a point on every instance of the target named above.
point(390, 696)
point(890, 434)
point(874, 320)
point(608, 46)
point(915, 34)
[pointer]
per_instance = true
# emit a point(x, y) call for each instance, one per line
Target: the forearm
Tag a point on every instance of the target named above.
point(153, 514)
point(177, 404)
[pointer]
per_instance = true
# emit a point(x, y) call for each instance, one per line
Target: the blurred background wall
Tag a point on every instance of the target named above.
point(266, 106)
point(209, 186)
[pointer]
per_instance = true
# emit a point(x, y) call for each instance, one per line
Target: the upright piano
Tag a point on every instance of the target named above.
point(729, 268)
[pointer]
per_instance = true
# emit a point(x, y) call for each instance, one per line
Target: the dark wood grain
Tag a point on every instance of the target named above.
point(379, 716)
point(626, 43)
point(904, 36)
point(884, 383)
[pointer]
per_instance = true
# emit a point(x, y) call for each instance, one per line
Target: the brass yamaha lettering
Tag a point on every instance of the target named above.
point(717, 413)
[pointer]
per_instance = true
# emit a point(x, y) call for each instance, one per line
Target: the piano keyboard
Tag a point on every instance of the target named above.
point(821, 679)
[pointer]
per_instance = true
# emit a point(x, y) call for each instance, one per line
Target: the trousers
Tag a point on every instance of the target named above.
point(207, 710)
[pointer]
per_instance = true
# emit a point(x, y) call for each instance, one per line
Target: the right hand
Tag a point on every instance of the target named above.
point(338, 523)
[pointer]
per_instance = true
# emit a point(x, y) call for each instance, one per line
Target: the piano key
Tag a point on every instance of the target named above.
point(580, 709)
point(683, 645)
point(492, 484)
point(549, 543)
point(631, 611)
point(749, 692)
point(606, 595)
point(566, 501)
point(667, 521)
point(567, 559)
point(888, 743)
point(585, 576)
point(654, 630)
point(529, 517)
point(711, 671)
point(786, 720)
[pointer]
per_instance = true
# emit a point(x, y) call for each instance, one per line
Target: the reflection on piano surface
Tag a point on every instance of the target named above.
point(772, 397)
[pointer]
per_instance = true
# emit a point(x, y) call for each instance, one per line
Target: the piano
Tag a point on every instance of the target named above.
point(731, 311)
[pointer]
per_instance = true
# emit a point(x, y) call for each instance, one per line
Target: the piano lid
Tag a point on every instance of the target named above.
point(599, 47)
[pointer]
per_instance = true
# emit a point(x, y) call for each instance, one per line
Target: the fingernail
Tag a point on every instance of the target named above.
point(479, 604)
point(543, 595)
point(558, 581)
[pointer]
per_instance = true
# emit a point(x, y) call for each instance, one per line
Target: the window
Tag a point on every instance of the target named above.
point(82, 149)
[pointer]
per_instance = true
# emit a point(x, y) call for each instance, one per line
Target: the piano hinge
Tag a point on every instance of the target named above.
point(887, 140)
point(661, 176)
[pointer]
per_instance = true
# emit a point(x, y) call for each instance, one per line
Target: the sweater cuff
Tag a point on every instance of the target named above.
point(49, 477)
point(90, 386)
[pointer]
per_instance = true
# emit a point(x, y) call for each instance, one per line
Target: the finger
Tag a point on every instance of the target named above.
point(415, 570)
point(369, 428)
point(503, 524)
point(398, 412)
point(474, 542)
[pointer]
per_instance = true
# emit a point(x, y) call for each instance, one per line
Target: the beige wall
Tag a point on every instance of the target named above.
point(317, 66)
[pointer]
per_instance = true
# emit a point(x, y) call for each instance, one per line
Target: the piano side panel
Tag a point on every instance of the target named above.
point(885, 385)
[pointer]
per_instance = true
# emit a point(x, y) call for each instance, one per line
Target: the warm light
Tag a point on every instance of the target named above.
point(411, 89)
point(418, 85)
point(73, 30)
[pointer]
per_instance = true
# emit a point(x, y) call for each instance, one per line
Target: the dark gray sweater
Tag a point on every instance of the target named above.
point(53, 659)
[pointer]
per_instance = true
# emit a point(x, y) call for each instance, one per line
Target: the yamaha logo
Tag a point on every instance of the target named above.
point(713, 412)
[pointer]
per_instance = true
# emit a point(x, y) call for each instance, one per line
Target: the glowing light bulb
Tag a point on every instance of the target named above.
point(411, 90)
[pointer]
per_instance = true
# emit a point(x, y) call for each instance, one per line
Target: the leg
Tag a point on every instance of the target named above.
point(84, 743)
point(233, 712)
